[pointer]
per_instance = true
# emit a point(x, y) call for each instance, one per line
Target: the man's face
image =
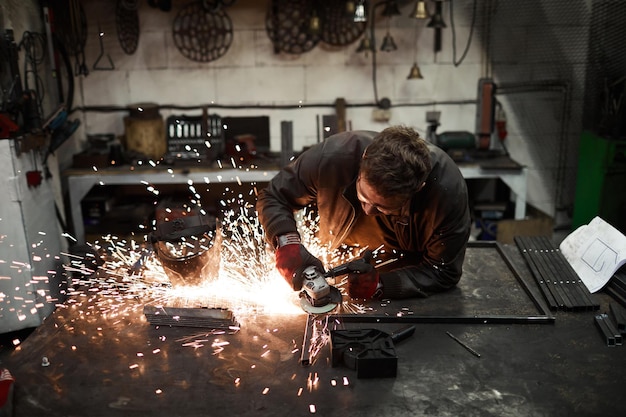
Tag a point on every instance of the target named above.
point(373, 203)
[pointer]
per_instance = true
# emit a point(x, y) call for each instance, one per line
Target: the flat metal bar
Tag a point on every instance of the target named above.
point(482, 319)
point(584, 291)
point(305, 355)
point(532, 258)
point(543, 286)
point(610, 290)
point(538, 260)
point(518, 276)
point(544, 256)
point(568, 280)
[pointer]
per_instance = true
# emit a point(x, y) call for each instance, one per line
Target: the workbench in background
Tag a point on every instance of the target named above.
point(80, 182)
point(105, 359)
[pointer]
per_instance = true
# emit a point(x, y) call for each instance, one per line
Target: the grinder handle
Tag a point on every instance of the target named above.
point(351, 266)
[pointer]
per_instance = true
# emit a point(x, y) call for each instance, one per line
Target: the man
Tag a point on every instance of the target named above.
point(392, 189)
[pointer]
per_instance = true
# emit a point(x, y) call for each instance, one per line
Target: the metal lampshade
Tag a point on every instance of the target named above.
point(365, 45)
point(420, 11)
point(360, 12)
point(436, 21)
point(415, 73)
point(388, 44)
point(391, 9)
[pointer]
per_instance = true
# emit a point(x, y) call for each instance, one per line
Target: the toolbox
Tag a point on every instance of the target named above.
point(194, 137)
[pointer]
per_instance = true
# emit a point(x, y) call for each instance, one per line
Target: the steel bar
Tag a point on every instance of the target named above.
point(541, 267)
point(566, 279)
point(537, 302)
point(549, 284)
point(610, 290)
point(305, 355)
point(582, 291)
point(619, 316)
point(213, 318)
point(481, 319)
point(609, 336)
point(549, 266)
point(617, 335)
point(618, 282)
point(555, 277)
point(466, 347)
point(548, 273)
point(561, 275)
point(543, 286)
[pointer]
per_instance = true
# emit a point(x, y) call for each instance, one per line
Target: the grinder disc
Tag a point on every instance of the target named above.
point(335, 300)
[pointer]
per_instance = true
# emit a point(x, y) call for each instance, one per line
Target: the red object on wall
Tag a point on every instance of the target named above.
point(33, 178)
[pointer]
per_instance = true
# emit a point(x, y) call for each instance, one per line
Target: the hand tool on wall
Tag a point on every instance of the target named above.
point(96, 65)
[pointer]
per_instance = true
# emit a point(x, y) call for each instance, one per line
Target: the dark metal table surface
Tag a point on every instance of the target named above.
point(112, 362)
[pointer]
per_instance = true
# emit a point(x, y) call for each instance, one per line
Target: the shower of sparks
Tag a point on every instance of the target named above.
point(117, 270)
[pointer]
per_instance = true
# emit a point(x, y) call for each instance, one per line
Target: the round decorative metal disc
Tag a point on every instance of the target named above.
point(287, 23)
point(127, 22)
point(202, 35)
point(338, 28)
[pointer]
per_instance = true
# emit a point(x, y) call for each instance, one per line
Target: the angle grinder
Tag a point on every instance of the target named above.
point(319, 297)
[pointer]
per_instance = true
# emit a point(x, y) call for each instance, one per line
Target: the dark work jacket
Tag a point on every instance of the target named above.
point(431, 233)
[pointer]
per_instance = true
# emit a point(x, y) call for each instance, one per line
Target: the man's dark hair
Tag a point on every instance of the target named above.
point(396, 162)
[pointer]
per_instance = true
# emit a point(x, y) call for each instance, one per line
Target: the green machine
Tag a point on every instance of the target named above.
point(600, 181)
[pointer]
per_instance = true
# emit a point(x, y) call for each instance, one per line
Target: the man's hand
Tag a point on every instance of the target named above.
point(363, 280)
point(292, 258)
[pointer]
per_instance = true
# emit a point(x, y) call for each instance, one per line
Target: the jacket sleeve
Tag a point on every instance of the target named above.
point(293, 188)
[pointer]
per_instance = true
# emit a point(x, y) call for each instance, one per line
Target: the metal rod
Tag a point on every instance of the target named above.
point(305, 355)
point(469, 349)
point(378, 318)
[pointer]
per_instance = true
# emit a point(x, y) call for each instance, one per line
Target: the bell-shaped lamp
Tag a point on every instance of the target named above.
point(388, 44)
point(436, 21)
point(415, 73)
point(391, 9)
point(365, 45)
point(360, 12)
point(420, 11)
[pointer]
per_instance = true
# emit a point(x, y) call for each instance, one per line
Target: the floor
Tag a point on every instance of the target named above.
point(487, 348)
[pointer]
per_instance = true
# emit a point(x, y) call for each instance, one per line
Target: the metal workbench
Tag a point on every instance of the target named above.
point(80, 181)
point(106, 361)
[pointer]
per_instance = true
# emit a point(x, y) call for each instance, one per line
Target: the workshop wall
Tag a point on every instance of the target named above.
point(252, 74)
point(250, 79)
point(32, 281)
